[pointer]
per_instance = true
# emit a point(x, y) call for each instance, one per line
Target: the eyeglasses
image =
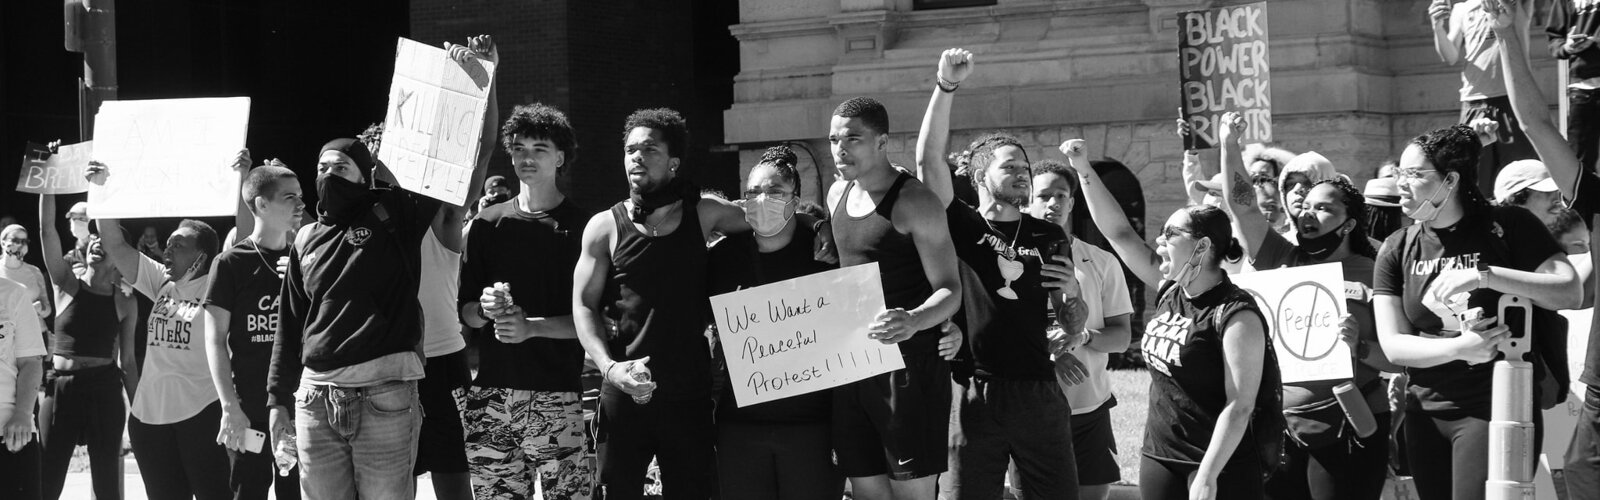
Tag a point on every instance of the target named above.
point(1170, 232)
point(1410, 174)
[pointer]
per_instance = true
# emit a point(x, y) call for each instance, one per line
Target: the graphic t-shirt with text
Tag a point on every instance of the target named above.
point(245, 283)
point(175, 383)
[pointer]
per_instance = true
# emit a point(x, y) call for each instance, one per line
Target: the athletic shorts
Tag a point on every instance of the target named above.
point(441, 446)
point(897, 423)
point(1095, 445)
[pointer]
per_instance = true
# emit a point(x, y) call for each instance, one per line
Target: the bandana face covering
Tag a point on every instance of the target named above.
point(768, 216)
point(646, 203)
point(339, 201)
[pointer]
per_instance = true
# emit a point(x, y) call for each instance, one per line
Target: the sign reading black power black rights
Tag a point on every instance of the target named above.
point(1222, 55)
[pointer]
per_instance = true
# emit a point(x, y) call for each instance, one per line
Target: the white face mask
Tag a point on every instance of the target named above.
point(1429, 209)
point(80, 229)
point(768, 216)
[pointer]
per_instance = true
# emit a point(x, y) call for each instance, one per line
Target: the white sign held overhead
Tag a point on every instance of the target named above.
point(434, 122)
point(169, 157)
point(803, 335)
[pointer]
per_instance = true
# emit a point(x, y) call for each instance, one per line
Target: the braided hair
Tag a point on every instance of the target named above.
point(783, 160)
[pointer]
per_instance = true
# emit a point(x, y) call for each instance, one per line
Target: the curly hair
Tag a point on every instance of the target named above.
point(1456, 149)
point(673, 129)
point(541, 121)
point(869, 110)
point(1355, 208)
point(1566, 220)
point(783, 161)
point(982, 155)
point(1066, 172)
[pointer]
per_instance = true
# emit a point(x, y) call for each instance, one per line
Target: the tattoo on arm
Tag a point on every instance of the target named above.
point(1243, 193)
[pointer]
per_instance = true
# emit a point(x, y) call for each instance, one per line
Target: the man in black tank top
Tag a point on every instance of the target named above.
point(643, 270)
point(1013, 409)
point(890, 430)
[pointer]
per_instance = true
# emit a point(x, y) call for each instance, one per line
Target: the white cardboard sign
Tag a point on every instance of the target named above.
point(1303, 307)
point(435, 120)
point(169, 157)
point(803, 335)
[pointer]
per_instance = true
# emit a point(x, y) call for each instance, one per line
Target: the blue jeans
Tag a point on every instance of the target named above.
point(357, 442)
point(1583, 456)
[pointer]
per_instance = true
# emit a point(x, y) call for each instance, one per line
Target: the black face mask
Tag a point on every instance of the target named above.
point(340, 201)
point(1322, 246)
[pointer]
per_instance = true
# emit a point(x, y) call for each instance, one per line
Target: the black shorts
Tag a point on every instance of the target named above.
point(897, 423)
point(441, 445)
point(1095, 445)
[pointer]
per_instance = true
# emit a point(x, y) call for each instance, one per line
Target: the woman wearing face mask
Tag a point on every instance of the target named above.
point(94, 331)
point(1206, 346)
point(778, 449)
point(1464, 254)
point(1327, 459)
point(13, 247)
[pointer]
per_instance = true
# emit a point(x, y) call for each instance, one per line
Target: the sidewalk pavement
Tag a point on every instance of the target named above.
point(78, 484)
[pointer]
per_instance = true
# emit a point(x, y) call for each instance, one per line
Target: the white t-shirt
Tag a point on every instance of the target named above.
point(175, 383)
point(31, 279)
point(441, 278)
point(1105, 294)
point(20, 337)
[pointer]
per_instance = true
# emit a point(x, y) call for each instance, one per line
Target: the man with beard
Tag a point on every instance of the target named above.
point(1012, 408)
point(642, 268)
point(890, 431)
point(1108, 307)
point(347, 352)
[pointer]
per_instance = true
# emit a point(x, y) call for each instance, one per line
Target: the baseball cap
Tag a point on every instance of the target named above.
point(1520, 175)
point(1215, 184)
point(1382, 192)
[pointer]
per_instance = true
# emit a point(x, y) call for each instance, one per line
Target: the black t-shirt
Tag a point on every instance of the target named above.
point(1005, 256)
point(534, 253)
point(1407, 273)
point(792, 261)
point(246, 284)
point(1587, 204)
point(1183, 347)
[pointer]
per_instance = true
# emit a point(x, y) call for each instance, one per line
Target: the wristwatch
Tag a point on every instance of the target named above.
point(1483, 273)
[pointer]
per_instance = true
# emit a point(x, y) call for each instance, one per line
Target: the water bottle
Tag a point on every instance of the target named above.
point(1356, 410)
point(286, 454)
point(640, 373)
point(505, 289)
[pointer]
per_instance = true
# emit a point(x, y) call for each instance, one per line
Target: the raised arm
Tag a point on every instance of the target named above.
point(123, 255)
point(934, 137)
point(1238, 194)
point(1529, 105)
point(447, 223)
point(50, 243)
point(1109, 218)
point(1244, 351)
point(1445, 34)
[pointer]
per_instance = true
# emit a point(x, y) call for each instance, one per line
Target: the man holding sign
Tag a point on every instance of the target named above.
point(1013, 408)
point(346, 352)
point(890, 431)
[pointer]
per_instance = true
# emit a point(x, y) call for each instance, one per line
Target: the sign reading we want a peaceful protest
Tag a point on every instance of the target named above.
point(803, 335)
point(432, 130)
point(1222, 54)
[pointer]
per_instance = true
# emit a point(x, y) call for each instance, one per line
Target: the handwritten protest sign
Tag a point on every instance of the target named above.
point(803, 335)
point(1222, 56)
point(59, 173)
point(169, 157)
point(1303, 307)
point(435, 120)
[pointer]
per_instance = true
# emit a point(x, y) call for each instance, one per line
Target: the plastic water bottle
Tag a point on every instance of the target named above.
point(286, 454)
point(505, 289)
point(640, 373)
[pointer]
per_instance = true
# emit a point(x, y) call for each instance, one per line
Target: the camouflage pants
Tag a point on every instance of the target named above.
point(515, 437)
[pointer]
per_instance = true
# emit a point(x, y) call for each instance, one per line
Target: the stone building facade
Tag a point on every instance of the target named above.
point(1352, 79)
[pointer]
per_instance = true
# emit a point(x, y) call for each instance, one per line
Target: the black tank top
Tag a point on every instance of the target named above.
point(656, 294)
point(873, 238)
point(88, 325)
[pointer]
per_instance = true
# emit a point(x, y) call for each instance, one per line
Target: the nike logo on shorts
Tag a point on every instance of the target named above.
point(906, 461)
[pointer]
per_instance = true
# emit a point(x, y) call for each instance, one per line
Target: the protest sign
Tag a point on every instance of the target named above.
point(1222, 58)
point(1303, 308)
point(432, 130)
point(169, 157)
point(803, 335)
point(59, 173)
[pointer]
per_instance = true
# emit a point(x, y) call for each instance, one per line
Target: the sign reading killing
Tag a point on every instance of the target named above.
point(1222, 55)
